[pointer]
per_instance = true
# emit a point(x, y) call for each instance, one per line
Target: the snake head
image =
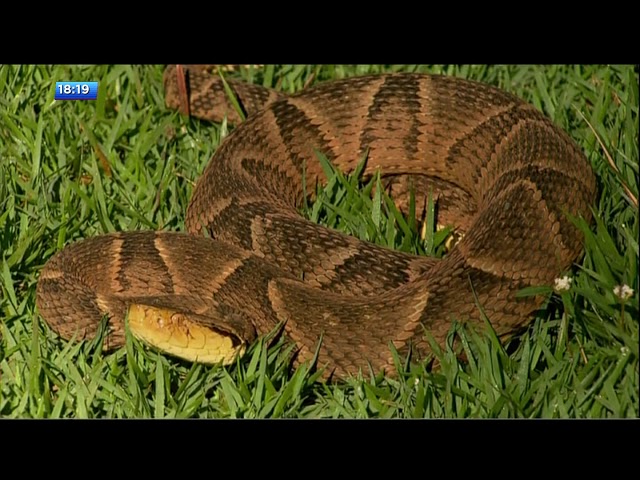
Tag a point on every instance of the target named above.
point(210, 338)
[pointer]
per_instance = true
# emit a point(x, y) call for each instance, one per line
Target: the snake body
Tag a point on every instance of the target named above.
point(502, 173)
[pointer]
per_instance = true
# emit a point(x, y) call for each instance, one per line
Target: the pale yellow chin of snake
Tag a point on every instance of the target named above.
point(173, 332)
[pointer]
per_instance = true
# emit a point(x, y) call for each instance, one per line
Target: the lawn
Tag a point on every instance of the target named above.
point(70, 170)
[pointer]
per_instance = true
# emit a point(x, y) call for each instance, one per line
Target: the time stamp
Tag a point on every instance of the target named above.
point(76, 91)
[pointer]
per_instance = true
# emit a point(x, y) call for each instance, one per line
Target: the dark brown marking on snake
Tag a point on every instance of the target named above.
point(392, 123)
point(276, 181)
point(141, 267)
point(298, 132)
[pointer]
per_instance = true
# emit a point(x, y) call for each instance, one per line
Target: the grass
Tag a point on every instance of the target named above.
point(70, 170)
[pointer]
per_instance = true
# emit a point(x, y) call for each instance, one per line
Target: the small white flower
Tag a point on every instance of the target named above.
point(623, 292)
point(562, 284)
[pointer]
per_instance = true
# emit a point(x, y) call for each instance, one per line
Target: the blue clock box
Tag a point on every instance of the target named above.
point(76, 90)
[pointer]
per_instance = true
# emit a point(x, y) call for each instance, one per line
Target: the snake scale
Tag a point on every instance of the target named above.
point(502, 173)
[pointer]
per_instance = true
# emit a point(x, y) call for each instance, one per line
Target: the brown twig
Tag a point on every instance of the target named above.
point(182, 88)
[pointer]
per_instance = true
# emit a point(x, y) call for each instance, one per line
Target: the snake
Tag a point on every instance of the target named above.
point(501, 174)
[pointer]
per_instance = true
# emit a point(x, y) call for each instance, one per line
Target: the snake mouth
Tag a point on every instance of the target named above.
point(173, 332)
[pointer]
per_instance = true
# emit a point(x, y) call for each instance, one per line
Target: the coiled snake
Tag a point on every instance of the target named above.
point(501, 172)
